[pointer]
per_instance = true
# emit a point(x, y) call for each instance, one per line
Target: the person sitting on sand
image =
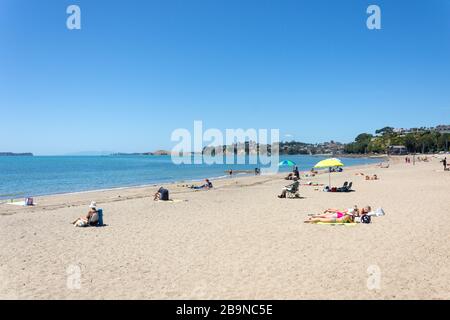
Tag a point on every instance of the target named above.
point(207, 185)
point(291, 187)
point(85, 220)
point(290, 176)
point(162, 194)
point(374, 177)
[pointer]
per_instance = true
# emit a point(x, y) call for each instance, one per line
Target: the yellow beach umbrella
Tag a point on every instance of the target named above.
point(328, 163)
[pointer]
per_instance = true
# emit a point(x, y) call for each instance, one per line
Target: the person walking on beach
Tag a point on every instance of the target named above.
point(444, 162)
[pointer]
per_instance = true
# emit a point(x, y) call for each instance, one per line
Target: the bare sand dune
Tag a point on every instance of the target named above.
point(238, 241)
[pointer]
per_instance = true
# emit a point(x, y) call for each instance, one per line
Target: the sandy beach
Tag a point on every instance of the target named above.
point(236, 241)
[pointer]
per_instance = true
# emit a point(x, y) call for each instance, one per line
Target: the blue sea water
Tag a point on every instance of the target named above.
point(42, 175)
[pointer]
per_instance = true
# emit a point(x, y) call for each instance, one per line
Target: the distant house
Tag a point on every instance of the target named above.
point(443, 129)
point(397, 150)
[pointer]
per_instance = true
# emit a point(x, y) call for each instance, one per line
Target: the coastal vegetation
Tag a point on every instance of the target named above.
point(420, 140)
point(415, 140)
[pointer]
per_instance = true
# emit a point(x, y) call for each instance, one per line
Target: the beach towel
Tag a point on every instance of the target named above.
point(337, 223)
point(28, 202)
point(17, 203)
point(81, 223)
point(172, 200)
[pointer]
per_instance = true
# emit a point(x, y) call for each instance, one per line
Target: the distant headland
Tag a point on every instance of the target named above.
point(154, 153)
point(12, 154)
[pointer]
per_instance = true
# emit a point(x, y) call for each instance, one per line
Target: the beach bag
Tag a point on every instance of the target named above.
point(29, 201)
point(377, 213)
point(100, 217)
point(164, 194)
point(366, 219)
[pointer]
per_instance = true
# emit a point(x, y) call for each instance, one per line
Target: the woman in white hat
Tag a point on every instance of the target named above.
point(85, 220)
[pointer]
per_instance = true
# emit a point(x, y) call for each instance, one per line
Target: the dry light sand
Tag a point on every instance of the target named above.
point(238, 241)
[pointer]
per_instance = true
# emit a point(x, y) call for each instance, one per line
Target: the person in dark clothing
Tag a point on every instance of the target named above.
point(444, 162)
point(296, 173)
point(206, 186)
point(162, 194)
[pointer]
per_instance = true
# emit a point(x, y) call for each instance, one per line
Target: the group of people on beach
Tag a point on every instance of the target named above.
point(163, 194)
point(295, 174)
point(340, 216)
point(94, 215)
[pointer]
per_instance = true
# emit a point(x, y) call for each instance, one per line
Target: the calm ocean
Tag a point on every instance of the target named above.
point(43, 175)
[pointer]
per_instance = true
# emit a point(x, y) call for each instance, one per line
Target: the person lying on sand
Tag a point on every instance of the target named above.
point(162, 194)
point(338, 216)
point(313, 184)
point(91, 213)
point(383, 165)
point(206, 186)
point(352, 211)
point(341, 218)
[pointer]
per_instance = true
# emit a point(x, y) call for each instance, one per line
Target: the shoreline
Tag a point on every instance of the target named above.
point(174, 182)
point(237, 240)
point(111, 195)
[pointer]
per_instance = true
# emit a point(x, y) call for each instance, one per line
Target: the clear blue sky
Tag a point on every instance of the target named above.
point(139, 69)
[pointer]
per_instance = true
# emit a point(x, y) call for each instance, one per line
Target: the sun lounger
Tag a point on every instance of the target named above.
point(347, 187)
